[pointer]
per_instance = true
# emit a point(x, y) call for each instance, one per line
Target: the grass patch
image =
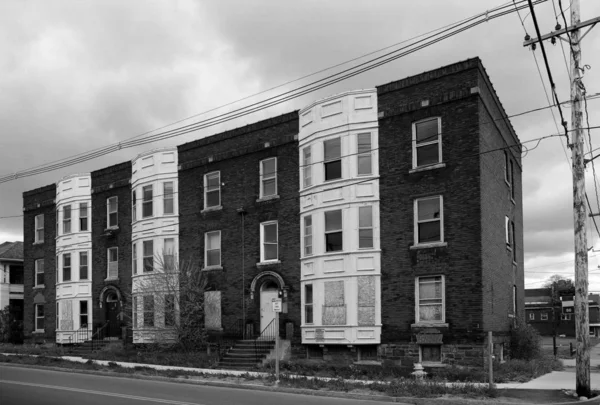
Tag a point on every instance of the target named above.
point(164, 356)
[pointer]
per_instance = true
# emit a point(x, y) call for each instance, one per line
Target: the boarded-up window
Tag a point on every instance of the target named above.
point(66, 315)
point(366, 300)
point(334, 308)
point(212, 309)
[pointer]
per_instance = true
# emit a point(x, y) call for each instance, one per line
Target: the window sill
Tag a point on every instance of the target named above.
point(37, 243)
point(429, 325)
point(434, 166)
point(212, 209)
point(111, 279)
point(268, 198)
point(39, 287)
point(212, 268)
point(111, 229)
point(429, 245)
point(38, 332)
point(268, 263)
point(507, 183)
point(433, 364)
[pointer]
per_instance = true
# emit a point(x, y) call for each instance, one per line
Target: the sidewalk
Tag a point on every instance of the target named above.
point(555, 380)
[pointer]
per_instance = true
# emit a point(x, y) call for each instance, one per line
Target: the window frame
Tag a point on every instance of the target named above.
point(334, 231)
point(115, 213)
point(417, 221)
point(415, 146)
point(66, 258)
point(543, 316)
point(37, 317)
point(206, 249)
point(82, 314)
point(168, 197)
point(38, 272)
point(133, 205)
point(148, 309)
point(309, 305)
point(134, 260)
point(83, 217)
point(264, 177)
point(147, 259)
point(147, 202)
point(330, 161)
point(217, 190)
point(307, 166)
point(67, 214)
point(83, 265)
point(532, 316)
point(512, 178)
point(263, 242)
point(362, 228)
point(115, 265)
point(365, 154)
point(307, 238)
point(418, 319)
point(39, 228)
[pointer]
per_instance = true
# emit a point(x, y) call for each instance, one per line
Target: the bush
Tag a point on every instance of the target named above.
point(11, 330)
point(525, 342)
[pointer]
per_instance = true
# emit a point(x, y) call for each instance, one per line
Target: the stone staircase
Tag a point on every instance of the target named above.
point(246, 354)
point(85, 348)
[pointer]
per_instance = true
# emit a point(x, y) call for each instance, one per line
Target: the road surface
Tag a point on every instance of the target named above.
point(19, 386)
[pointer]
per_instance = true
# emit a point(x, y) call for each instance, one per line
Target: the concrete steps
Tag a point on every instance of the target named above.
point(246, 354)
point(85, 348)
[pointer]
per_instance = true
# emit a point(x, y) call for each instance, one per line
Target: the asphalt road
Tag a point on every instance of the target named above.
point(19, 386)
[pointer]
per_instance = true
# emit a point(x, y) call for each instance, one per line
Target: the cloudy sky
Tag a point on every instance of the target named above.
point(78, 75)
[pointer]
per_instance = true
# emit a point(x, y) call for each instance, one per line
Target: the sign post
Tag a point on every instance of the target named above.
point(277, 310)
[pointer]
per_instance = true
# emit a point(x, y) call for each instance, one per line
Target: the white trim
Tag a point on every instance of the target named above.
point(262, 241)
point(116, 212)
point(206, 191)
point(206, 237)
point(438, 141)
point(263, 177)
point(443, 298)
point(416, 220)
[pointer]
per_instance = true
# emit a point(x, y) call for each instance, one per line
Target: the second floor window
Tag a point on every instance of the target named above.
point(308, 235)
point(307, 167)
point(169, 254)
point(268, 177)
point(168, 200)
point(148, 253)
point(148, 310)
point(66, 267)
point(113, 263)
point(427, 142)
point(364, 154)
point(112, 216)
point(333, 231)
point(365, 227)
point(429, 220)
point(333, 159)
point(83, 216)
point(83, 266)
point(430, 299)
point(134, 257)
point(133, 205)
point(147, 201)
point(212, 190)
point(212, 251)
point(269, 244)
point(66, 219)
point(83, 314)
point(39, 272)
point(39, 228)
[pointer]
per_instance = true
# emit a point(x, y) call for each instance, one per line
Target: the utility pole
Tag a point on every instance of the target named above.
point(582, 359)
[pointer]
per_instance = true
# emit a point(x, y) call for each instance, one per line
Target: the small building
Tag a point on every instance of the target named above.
point(11, 278)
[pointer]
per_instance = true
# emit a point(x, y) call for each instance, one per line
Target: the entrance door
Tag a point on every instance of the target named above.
point(268, 291)
point(113, 311)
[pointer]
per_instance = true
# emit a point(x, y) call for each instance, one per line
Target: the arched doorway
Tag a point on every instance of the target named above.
point(268, 291)
point(112, 308)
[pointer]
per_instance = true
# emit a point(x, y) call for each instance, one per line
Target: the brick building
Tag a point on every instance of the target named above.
point(389, 221)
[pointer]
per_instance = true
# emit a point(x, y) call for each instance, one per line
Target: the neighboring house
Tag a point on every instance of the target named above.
point(11, 277)
point(558, 317)
point(389, 220)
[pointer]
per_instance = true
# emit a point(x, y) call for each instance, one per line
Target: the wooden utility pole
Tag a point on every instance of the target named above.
point(582, 327)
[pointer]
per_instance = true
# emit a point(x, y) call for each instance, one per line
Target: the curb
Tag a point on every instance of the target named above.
point(298, 391)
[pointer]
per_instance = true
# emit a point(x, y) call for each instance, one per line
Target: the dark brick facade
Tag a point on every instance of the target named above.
point(236, 154)
point(36, 202)
point(109, 182)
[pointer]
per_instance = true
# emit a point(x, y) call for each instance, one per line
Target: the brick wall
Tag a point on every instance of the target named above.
point(36, 202)
point(108, 182)
point(236, 154)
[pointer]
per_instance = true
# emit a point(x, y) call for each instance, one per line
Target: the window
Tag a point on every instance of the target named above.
point(364, 154)
point(169, 310)
point(429, 224)
point(212, 190)
point(135, 312)
point(212, 244)
point(308, 235)
point(133, 206)
point(83, 265)
point(333, 231)
point(146, 201)
point(57, 222)
point(509, 231)
point(66, 219)
point(514, 291)
point(506, 168)
point(430, 353)
point(134, 258)
point(514, 241)
point(83, 216)
point(565, 317)
point(427, 142)
point(39, 228)
point(66, 267)
point(544, 316)
point(512, 182)
point(333, 159)
point(112, 214)
point(148, 255)
point(39, 273)
point(308, 304)
point(268, 177)
point(430, 299)
point(531, 316)
point(83, 314)
point(39, 318)
point(168, 200)
point(307, 167)
point(169, 254)
point(365, 227)
point(113, 263)
point(268, 237)
point(148, 310)
point(57, 316)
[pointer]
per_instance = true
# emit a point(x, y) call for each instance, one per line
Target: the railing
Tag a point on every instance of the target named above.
point(100, 334)
point(263, 343)
point(80, 335)
point(231, 334)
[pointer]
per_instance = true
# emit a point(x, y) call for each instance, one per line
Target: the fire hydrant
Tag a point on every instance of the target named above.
point(419, 372)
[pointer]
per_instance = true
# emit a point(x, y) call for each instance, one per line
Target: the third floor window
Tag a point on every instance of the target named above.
point(427, 142)
point(66, 219)
point(147, 201)
point(333, 159)
point(212, 189)
point(268, 177)
point(112, 216)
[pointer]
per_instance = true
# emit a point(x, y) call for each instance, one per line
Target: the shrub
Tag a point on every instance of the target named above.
point(525, 342)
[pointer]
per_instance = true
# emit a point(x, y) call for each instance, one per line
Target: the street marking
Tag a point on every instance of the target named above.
point(108, 394)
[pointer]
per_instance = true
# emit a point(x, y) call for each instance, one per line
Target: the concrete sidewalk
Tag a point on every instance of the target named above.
point(556, 380)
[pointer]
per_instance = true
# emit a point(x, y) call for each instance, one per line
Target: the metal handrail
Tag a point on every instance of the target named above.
point(264, 341)
point(99, 334)
point(79, 334)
